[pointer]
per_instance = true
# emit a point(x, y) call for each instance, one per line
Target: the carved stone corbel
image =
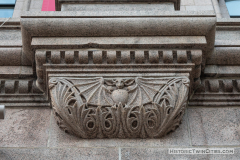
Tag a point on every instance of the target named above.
point(119, 108)
point(165, 45)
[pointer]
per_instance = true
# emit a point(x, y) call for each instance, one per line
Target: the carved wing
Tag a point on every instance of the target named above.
point(145, 90)
point(93, 91)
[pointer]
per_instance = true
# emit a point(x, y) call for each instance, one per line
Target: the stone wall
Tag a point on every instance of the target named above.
point(32, 133)
point(212, 119)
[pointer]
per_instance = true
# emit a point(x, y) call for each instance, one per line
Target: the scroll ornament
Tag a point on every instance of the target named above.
point(119, 108)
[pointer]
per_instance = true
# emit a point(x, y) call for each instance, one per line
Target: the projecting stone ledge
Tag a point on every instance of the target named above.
point(118, 107)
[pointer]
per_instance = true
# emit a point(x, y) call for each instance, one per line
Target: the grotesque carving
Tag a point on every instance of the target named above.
point(123, 108)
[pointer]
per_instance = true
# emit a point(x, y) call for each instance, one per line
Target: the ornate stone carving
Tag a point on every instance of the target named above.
point(123, 108)
point(95, 61)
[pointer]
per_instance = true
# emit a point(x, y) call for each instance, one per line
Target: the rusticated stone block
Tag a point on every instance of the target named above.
point(97, 57)
point(153, 56)
point(167, 56)
point(139, 56)
point(181, 56)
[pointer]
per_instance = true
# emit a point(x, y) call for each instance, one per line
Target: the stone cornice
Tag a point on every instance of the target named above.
point(217, 92)
point(60, 2)
point(120, 62)
point(22, 92)
point(115, 14)
point(165, 24)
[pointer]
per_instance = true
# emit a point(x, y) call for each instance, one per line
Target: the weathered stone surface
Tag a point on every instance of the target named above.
point(10, 56)
point(162, 154)
point(225, 56)
point(115, 42)
point(199, 8)
point(25, 127)
point(78, 5)
point(10, 38)
point(235, 156)
point(214, 126)
point(119, 107)
point(10, 71)
point(59, 153)
point(178, 24)
point(156, 154)
point(118, 7)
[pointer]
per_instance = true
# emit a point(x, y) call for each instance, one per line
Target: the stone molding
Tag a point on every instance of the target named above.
point(19, 92)
point(58, 3)
point(110, 73)
point(13, 56)
point(11, 24)
point(19, 87)
point(160, 61)
point(119, 108)
point(217, 92)
point(161, 24)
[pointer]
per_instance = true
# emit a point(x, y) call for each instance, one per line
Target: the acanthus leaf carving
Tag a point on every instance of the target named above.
point(99, 108)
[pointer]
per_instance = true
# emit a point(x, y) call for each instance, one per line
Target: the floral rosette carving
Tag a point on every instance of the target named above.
point(119, 108)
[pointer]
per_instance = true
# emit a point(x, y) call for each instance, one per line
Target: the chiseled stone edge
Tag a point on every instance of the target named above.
point(58, 3)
